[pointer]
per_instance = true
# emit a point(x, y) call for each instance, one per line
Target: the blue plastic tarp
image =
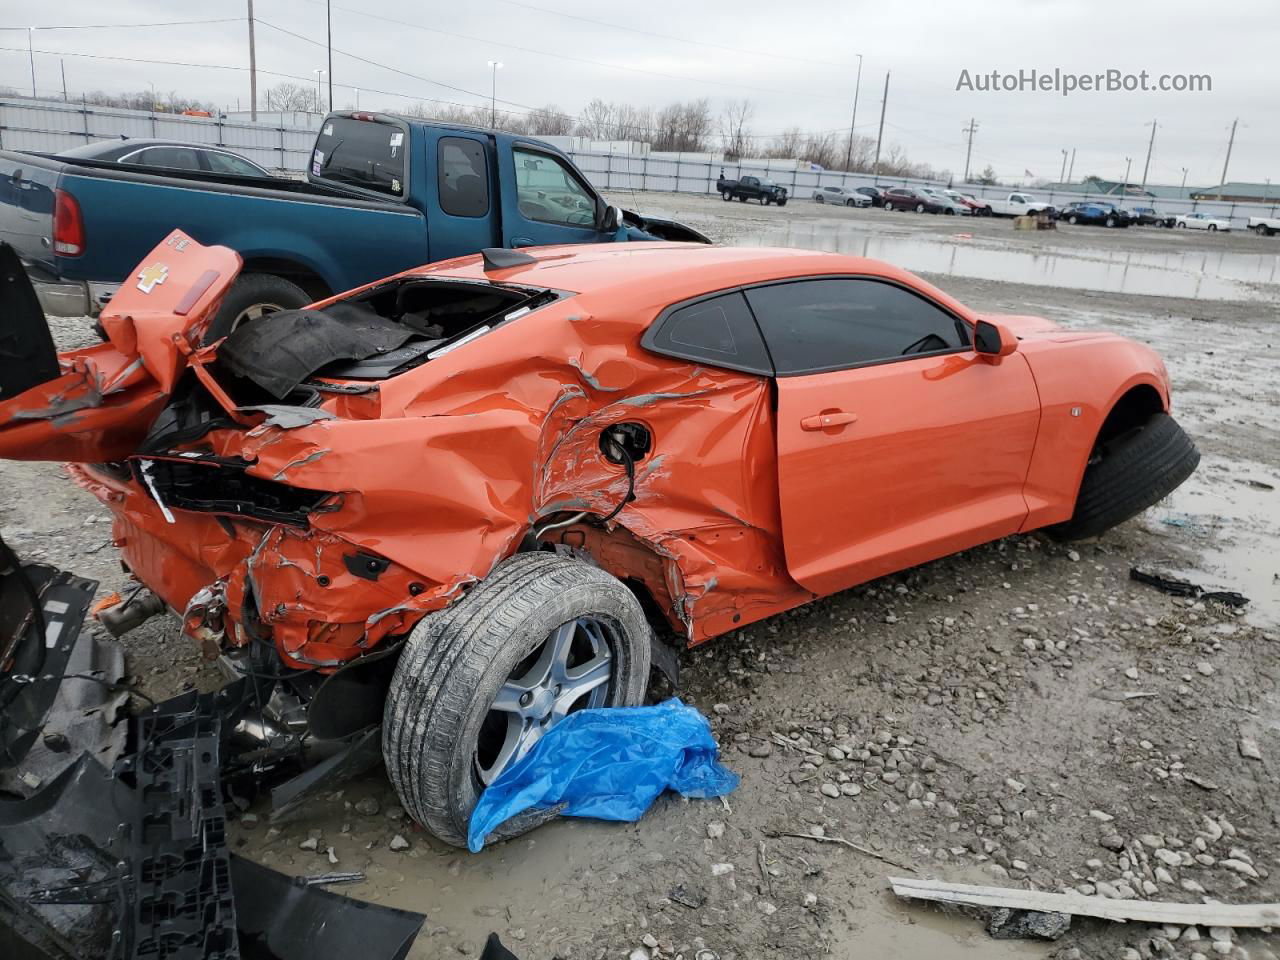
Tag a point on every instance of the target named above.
point(610, 764)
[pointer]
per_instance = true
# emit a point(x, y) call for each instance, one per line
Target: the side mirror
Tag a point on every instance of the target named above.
point(993, 339)
point(611, 219)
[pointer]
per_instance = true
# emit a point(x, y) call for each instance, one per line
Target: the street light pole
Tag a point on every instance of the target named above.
point(319, 72)
point(1124, 185)
point(1062, 177)
point(1182, 191)
point(1071, 168)
point(31, 52)
point(253, 71)
point(880, 136)
point(853, 121)
point(1147, 166)
point(494, 67)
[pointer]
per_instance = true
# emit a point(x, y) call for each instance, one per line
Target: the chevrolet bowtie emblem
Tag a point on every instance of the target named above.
point(151, 276)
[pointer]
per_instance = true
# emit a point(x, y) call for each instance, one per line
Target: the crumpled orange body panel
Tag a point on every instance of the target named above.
point(443, 470)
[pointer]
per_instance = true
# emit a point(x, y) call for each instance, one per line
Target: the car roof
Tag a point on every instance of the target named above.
point(104, 148)
point(637, 275)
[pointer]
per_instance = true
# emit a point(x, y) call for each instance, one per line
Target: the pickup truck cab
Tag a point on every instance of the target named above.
point(1264, 226)
point(1018, 205)
point(382, 194)
point(752, 188)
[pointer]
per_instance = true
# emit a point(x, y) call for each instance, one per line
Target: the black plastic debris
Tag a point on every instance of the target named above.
point(283, 918)
point(1185, 588)
point(1007, 924)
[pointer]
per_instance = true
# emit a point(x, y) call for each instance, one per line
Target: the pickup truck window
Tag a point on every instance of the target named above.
point(816, 325)
point(548, 191)
point(361, 153)
point(463, 177)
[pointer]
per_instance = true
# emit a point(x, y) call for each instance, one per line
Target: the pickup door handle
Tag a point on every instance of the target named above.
point(832, 418)
point(522, 242)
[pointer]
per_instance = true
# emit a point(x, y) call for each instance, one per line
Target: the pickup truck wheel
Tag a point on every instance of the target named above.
point(726, 195)
point(765, 201)
point(252, 296)
point(1261, 230)
point(1128, 474)
point(782, 202)
point(481, 681)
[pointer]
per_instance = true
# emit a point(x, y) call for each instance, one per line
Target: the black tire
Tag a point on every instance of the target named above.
point(1073, 219)
point(949, 212)
point(1129, 474)
point(1213, 228)
point(782, 202)
point(726, 195)
point(919, 208)
point(850, 203)
point(455, 661)
point(888, 205)
point(1110, 222)
point(1182, 224)
point(252, 292)
point(817, 198)
point(765, 201)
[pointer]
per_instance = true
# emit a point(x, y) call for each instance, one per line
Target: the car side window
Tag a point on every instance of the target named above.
point(177, 158)
point(718, 331)
point(463, 177)
point(546, 190)
point(226, 163)
point(815, 325)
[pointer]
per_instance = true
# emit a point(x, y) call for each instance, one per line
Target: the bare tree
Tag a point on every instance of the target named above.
point(289, 97)
point(596, 120)
point(734, 132)
point(549, 121)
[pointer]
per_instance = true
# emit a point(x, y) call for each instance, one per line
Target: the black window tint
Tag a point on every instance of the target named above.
point(718, 331)
point(813, 325)
point(463, 176)
point(177, 158)
point(361, 153)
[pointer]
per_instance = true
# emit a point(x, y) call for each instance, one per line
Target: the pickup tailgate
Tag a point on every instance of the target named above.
point(27, 185)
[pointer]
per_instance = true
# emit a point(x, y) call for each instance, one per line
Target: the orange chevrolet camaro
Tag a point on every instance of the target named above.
point(469, 499)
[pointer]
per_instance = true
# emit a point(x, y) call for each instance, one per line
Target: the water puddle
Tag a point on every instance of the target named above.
point(1193, 275)
point(1230, 513)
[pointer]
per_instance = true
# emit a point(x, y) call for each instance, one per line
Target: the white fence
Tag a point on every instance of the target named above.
point(48, 126)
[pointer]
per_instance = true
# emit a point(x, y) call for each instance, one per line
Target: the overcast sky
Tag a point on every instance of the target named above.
point(797, 62)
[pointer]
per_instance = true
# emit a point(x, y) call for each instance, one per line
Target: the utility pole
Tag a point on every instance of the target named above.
point(969, 131)
point(253, 71)
point(494, 67)
point(328, 20)
point(1146, 166)
point(1072, 168)
point(1229, 144)
point(64, 80)
point(1062, 177)
point(31, 52)
point(1183, 189)
point(853, 121)
point(880, 135)
point(1124, 185)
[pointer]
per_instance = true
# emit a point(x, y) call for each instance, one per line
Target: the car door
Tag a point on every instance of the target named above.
point(545, 200)
point(897, 443)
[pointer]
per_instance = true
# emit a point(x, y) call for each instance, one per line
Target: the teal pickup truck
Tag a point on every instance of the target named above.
point(382, 194)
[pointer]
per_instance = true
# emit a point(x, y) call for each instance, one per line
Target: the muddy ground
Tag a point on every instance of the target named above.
point(965, 720)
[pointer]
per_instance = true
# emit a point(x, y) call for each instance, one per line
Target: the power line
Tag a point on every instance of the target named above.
point(125, 26)
point(389, 93)
point(668, 36)
point(490, 42)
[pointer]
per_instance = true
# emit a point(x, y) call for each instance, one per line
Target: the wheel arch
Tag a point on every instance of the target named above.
point(305, 276)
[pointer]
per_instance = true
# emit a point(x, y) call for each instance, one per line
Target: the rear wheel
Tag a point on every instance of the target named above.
point(1213, 228)
point(850, 203)
point(919, 208)
point(1110, 221)
point(479, 683)
point(1261, 230)
point(726, 195)
point(252, 296)
point(1073, 219)
point(1129, 473)
point(817, 197)
point(888, 205)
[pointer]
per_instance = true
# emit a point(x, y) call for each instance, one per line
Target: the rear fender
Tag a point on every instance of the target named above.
point(97, 403)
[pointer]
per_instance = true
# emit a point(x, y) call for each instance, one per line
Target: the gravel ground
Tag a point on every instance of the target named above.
point(966, 719)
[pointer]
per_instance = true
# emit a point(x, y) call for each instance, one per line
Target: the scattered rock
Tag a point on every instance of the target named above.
point(715, 829)
point(1007, 924)
point(830, 790)
point(368, 806)
point(398, 842)
point(311, 843)
point(721, 869)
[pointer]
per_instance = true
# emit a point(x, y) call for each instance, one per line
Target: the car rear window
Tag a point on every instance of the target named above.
point(361, 153)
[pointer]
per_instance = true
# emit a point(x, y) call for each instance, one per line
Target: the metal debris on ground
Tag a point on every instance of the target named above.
point(1185, 588)
point(1251, 915)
